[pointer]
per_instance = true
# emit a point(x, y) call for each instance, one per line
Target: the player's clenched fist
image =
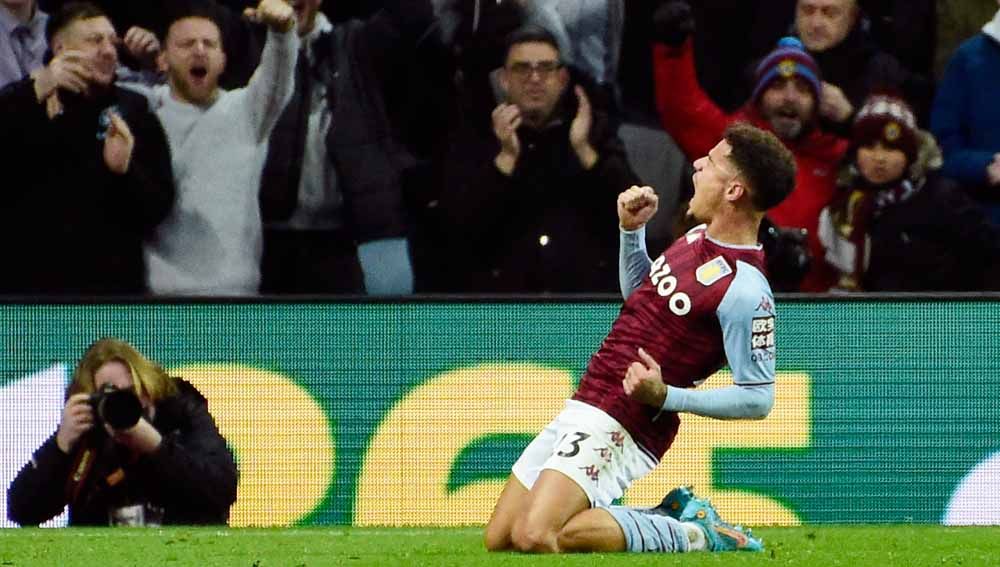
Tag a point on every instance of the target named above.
point(275, 14)
point(643, 381)
point(636, 205)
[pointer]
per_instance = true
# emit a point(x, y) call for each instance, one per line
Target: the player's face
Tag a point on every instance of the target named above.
point(534, 79)
point(789, 106)
point(823, 24)
point(97, 41)
point(193, 60)
point(712, 174)
point(880, 164)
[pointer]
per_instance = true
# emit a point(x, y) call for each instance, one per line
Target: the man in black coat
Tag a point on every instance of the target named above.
point(836, 33)
point(332, 186)
point(525, 203)
point(87, 168)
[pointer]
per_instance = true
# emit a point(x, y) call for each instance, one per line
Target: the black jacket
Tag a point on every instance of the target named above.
point(934, 239)
point(938, 240)
point(858, 66)
point(353, 63)
point(69, 224)
point(727, 50)
point(192, 475)
point(549, 227)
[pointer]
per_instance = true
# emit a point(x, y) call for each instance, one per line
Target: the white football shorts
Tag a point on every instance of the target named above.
point(590, 447)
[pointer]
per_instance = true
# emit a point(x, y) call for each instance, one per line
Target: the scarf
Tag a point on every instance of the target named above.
point(851, 213)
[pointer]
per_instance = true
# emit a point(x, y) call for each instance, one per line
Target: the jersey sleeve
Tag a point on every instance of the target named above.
point(746, 315)
point(633, 260)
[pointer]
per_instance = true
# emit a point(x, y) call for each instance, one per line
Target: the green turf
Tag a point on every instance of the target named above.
point(910, 546)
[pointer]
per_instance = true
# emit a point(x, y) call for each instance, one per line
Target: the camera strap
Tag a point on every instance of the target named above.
point(82, 465)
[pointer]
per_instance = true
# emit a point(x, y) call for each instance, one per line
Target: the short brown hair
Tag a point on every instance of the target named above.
point(199, 9)
point(764, 163)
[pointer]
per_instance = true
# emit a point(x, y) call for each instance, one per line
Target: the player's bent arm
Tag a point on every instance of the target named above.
point(740, 401)
point(633, 260)
point(746, 316)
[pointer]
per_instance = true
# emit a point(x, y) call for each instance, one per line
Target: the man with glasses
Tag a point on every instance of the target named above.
point(529, 195)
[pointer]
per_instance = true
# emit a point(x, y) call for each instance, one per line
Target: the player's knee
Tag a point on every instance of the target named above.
point(533, 539)
point(496, 539)
point(570, 538)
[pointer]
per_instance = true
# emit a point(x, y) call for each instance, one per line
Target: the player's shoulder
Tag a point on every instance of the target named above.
point(716, 263)
point(749, 290)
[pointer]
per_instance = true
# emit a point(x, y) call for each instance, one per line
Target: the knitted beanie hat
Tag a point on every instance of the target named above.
point(789, 58)
point(886, 118)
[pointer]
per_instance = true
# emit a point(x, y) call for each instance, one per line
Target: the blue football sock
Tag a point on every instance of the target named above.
point(645, 532)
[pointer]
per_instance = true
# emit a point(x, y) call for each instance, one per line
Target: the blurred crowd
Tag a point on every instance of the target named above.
point(391, 147)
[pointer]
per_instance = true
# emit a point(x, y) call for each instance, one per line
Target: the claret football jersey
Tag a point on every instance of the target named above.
point(703, 304)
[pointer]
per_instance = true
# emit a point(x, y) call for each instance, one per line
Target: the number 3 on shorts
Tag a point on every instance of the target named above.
point(580, 437)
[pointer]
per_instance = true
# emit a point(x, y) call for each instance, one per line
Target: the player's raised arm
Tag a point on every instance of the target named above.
point(636, 205)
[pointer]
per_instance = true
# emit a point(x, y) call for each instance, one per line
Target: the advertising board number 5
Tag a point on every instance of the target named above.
point(666, 286)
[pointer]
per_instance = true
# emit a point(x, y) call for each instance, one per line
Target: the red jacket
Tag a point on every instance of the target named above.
point(697, 124)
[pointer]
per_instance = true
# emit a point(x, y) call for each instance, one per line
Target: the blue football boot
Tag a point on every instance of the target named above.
point(721, 535)
point(674, 502)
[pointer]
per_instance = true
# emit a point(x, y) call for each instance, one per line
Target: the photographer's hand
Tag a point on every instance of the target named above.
point(77, 419)
point(141, 438)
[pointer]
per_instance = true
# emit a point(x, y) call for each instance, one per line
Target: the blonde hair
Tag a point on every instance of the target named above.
point(148, 377)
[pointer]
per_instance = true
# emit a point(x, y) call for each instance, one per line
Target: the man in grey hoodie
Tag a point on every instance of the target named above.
point(211, 242)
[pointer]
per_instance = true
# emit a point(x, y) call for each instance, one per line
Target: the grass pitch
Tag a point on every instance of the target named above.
point(819, 546)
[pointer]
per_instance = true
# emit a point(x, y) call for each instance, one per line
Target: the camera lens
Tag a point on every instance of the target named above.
point(120, 409)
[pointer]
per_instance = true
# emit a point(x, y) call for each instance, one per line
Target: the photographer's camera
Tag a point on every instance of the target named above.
point(119, 408)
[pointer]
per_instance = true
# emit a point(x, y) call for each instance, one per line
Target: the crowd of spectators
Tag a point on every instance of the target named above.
point(386, 147)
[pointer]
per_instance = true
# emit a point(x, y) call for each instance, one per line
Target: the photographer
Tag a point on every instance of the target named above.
point(135, 447)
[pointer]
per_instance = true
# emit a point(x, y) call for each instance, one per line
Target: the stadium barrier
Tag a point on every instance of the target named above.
point(411, 413)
